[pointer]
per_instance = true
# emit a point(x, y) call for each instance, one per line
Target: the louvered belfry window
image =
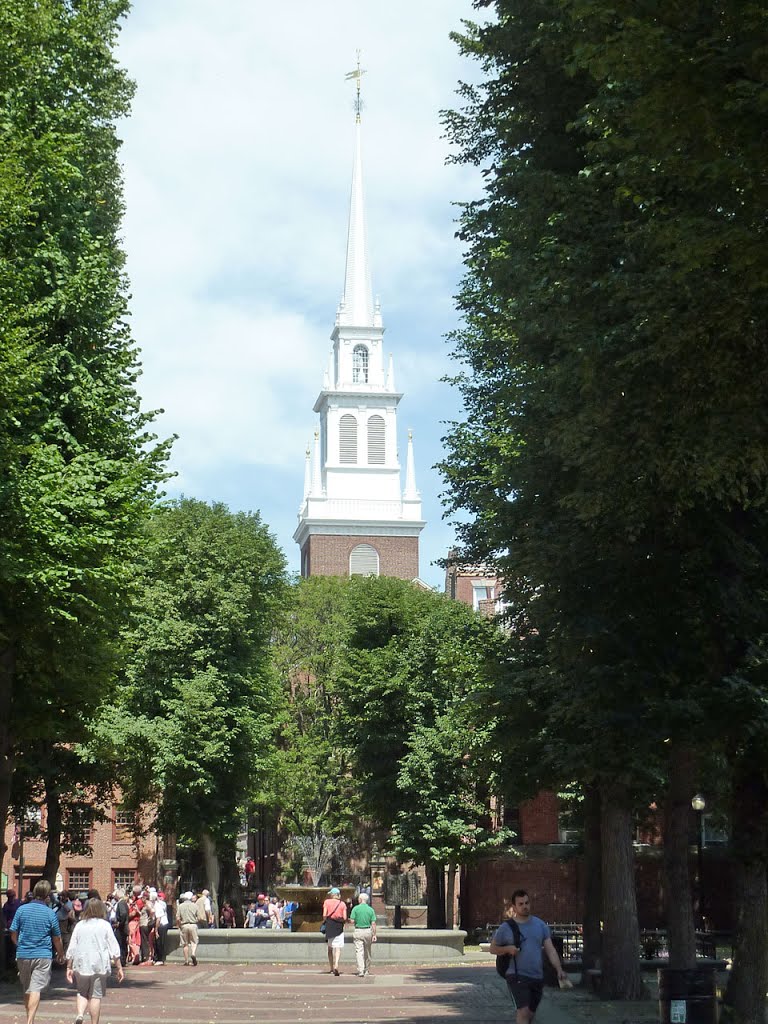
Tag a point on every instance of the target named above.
point(364, 561)
point(348, 440)
point(376, 446)
point(359, 364)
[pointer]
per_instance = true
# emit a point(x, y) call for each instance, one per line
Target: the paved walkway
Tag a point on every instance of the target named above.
point(277, 994)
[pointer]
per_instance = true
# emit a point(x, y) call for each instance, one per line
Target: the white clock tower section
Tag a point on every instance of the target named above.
point(355, 517)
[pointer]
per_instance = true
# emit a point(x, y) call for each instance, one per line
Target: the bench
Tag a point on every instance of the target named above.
point(595, 975)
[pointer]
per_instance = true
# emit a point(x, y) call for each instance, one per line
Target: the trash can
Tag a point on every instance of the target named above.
point(687, 996)
point(550, 974)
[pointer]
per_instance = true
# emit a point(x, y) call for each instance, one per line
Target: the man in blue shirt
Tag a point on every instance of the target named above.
point(35, 931)
point(525, 976)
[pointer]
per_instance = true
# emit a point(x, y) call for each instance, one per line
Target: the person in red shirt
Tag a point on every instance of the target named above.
point(334, 916)
point(250, 871)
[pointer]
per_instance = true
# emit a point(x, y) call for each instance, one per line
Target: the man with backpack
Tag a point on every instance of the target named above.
point(518, 946)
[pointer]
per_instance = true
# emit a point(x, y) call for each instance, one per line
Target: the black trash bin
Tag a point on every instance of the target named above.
point(550, 974)
point(687, 996)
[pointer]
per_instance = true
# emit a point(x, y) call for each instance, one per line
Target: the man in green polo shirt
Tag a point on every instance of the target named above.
point(364, 935)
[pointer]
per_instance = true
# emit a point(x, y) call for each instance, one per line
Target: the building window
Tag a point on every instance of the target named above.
point(78, 830)
point(481, 592)
point(510, 819)
point(364, 561)
point(359, 364)
point(348, 440)
point(78, 880)
point(123, 878)
point(376, 445)
point(124, 825)
point(30, 823)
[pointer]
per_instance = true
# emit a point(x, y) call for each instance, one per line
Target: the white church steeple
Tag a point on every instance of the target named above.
point(355, 517)
point(356, 307)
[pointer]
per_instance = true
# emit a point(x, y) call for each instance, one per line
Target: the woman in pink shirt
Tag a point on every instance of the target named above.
point(334, 916)
point(275, 921)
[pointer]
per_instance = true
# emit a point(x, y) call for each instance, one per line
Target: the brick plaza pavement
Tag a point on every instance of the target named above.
point(279, 994)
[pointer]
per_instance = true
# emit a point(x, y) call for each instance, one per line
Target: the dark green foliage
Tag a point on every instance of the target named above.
point(78, 470)
point(379, 730)
point(193, 716)
point(614, 453)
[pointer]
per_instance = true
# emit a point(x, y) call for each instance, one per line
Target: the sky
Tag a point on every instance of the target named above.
point(237, 165)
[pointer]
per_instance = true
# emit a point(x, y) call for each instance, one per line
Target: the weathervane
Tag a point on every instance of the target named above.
point(357, 74)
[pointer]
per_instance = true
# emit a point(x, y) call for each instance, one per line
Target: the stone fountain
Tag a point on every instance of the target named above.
point(309, 916)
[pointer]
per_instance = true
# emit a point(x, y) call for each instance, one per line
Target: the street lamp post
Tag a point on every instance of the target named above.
point(698, 803)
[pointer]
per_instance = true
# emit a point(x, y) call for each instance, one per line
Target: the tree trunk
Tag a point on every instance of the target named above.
point(212, 871)
point(7, 680)
point(53, 829)
point(748, 981)
point(677, 876)
point(592, 913)
point(229, 885)
point(621, 977)
point(450, 899)
point(435, 895)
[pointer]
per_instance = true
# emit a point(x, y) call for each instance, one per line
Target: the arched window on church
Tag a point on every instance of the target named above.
point(376, 445)
point(364, 561)
point(359, 364)
point(348, 440)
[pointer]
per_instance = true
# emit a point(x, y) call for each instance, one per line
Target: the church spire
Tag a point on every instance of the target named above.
point(357, 308)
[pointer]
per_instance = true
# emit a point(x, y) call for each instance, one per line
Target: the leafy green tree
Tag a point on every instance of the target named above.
point(608, 456)
point(193, 716)
point(79, 470)
point(309, 788)
point(443, 785)
point(378, 731)
point(415, 661)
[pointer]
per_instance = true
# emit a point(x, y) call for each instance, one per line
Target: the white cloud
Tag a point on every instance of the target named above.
point(237, 165)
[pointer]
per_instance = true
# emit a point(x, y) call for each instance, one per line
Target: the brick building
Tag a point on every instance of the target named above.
point(355, 518)
point(117, 858)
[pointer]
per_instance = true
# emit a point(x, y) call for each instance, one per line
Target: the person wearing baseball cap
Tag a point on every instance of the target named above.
point(187, 918)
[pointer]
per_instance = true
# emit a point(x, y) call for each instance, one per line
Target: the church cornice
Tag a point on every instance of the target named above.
point(363, 528)
point(358, 396)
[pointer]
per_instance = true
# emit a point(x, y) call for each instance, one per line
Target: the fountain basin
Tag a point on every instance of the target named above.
point(309, 916)
point(262, 945)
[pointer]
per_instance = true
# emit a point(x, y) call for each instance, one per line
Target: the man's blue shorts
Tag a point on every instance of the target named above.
point(526, 992)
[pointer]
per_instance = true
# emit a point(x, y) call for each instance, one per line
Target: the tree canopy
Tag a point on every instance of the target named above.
point(614, 309)
point(79, 469)
point(193, 714)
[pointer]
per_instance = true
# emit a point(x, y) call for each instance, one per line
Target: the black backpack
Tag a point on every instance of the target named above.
point(502, 962)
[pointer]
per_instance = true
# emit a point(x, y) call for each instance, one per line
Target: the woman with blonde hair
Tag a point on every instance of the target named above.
point(92, 951)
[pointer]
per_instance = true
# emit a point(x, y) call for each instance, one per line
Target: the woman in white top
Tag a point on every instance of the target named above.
point(92, 950)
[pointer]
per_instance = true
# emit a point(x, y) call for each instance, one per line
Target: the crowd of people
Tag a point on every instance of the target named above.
point(269, 912)
point(91, 936)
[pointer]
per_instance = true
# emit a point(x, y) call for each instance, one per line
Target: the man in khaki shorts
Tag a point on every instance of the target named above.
point(187, 917)
point(35, 932)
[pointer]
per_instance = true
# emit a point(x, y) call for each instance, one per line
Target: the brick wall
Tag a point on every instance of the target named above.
point(554, 887)
point(556, 883)
point(329, 555)
point(539, 819)
point(111, 852)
